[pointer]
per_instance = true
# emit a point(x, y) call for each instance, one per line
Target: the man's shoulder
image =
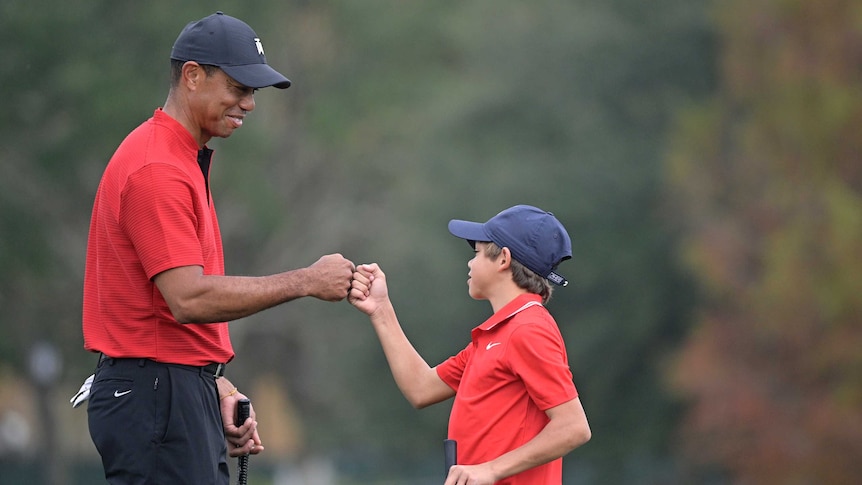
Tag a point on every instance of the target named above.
point(153, 142)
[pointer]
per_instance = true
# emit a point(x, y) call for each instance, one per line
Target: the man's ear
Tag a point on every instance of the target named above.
point(191, 74)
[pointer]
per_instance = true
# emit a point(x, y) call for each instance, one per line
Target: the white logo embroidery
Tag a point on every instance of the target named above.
point(121, 394)
point(491, 344)
point(259, 46)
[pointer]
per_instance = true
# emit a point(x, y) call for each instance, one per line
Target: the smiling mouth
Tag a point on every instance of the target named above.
point(237, 120)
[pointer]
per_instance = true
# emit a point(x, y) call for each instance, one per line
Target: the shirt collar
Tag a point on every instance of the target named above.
point(161, 117)
point(520, 303)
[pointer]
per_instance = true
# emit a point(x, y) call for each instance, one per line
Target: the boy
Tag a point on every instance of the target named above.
point(516, 411)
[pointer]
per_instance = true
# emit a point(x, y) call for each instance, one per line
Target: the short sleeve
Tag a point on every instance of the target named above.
point(537, 355)
point(158, 215)
point(451, 370)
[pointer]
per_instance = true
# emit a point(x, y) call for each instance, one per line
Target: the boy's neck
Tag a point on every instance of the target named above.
point(505, 294)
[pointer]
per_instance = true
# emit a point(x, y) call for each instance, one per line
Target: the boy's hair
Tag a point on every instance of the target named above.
point(536, 239)
point(177, 70)
point(523, 277)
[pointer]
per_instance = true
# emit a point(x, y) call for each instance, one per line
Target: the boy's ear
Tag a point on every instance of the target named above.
point(505, 259)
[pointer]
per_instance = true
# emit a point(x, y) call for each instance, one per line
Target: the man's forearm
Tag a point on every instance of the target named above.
point(225, 298)
point(197, 298)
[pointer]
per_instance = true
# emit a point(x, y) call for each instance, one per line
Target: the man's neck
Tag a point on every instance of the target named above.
point(177, 107)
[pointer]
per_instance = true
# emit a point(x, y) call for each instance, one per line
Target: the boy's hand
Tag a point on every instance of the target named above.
point(470, 475)
point(368, 289)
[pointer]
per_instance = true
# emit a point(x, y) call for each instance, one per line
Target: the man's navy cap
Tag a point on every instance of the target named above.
point(229, 43)
point(535, 237)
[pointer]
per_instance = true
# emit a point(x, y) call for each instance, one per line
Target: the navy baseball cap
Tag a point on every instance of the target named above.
point(535, 237)
point(229, 43)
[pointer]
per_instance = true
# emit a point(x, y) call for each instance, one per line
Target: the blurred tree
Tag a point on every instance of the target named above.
point(81, 75)
point(69, 68)
point(769, 185)
point(460, 110)
point(84, 74)
point(401, 117)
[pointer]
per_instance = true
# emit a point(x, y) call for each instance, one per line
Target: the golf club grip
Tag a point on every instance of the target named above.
point(243, 411)
point(450, 454)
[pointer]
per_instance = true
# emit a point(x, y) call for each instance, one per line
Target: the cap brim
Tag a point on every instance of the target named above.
point(471, 231)
point(257, 76)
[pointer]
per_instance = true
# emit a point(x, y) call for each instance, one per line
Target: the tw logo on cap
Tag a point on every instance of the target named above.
point(259, 46)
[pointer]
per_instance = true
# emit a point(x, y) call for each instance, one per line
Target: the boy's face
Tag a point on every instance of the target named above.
point(483, 273)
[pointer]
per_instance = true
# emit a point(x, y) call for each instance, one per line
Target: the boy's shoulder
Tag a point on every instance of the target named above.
point(534, 313)
point(531, 312)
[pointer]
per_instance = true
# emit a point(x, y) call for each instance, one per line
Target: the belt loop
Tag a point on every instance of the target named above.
point(142, 362)
point(104, 359)
point(213, 370)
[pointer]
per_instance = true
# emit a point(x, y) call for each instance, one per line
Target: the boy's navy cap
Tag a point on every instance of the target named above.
point(535, 237)
point(229, 43)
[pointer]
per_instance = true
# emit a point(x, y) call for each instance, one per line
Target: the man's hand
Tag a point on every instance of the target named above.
point(242, 440)
point(331, 275)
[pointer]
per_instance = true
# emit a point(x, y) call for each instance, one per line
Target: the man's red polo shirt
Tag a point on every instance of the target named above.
point(514, 369)
point(152, 212)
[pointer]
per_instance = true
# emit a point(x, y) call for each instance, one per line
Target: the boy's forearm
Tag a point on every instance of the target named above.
point(542, 449)
point(409, 369)
point(557, 439)
point(404, 361)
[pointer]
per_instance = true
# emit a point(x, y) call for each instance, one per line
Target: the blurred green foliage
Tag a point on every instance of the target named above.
point(771, 176)
point(401, 117)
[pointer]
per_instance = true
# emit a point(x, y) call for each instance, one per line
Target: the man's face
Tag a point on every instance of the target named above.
point(221, 104)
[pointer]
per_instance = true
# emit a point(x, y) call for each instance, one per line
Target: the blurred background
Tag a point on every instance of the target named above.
point(705, 156)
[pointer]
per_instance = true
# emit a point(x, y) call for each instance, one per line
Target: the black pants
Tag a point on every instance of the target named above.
point(157, 424)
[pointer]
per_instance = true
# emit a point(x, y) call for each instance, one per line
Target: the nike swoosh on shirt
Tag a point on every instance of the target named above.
point(492, 344)
point(121, 394)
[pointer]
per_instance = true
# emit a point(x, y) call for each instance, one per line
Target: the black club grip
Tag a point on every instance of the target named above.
point(450, 455)
point(243, 411)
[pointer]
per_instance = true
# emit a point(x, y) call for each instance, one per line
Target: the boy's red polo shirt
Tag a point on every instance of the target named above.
point(152, 212)
point(514, 369)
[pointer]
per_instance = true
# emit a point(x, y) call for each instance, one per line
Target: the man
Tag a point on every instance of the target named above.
point(516, 411)
point(156, 299)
